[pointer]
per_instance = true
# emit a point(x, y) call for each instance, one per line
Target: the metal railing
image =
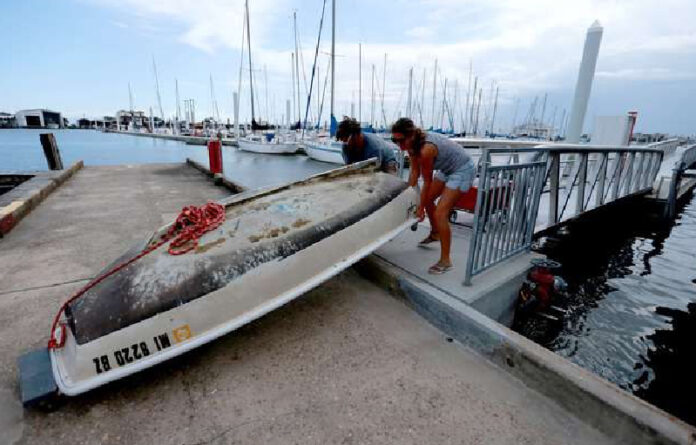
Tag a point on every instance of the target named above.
point(518, 185)
point(583, 177)
point(668, 146)
point(595, 176)
point(688, 157)
point(507, 204)
point(685, 161)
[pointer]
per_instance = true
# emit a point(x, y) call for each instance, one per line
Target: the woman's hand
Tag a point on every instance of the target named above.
point(420, 213)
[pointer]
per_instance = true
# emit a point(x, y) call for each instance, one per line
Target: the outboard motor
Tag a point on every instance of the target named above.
point(541, 287)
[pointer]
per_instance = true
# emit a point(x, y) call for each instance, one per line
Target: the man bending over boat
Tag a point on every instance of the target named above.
point(455, 174)
point(359, 146)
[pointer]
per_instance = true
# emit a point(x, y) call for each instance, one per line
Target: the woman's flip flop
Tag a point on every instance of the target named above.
point(438, 269)
point(428, 240)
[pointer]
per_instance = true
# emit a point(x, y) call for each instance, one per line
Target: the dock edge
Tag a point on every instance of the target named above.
point(595, 401)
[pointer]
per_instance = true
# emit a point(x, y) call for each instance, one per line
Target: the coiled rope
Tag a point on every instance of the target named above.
point(182, 236)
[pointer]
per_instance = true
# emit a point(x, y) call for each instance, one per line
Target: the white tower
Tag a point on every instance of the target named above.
point(584, 84)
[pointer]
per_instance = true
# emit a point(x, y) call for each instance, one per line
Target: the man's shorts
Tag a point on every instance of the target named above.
point(460, 179)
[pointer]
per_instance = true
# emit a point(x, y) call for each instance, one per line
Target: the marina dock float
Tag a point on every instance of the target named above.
point(190, 140)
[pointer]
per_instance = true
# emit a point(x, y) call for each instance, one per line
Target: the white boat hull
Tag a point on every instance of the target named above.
point(81, 367)
point(268, 148)
point(324, 152)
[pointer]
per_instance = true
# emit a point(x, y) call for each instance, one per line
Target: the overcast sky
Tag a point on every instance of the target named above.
point(77, 56)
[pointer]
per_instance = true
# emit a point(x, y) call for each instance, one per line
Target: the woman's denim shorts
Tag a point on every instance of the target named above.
point(460, 179)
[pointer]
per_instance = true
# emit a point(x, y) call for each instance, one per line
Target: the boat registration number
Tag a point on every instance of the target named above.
point(137, 351)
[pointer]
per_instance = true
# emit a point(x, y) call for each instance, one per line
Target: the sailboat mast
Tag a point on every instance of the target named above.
point(473, 105)
point(213, 103)
point(265, 81)
point(514, 116)
point(239, 83)
point(495, 108)
point(333, 60)
point(422, 100)
point(444, 105)
point(410, 92)
point(372, 110)
point(297, 65)
point(359, 82)
point(251, 79)
point(432, 116)
point(178, 105)
point(294, 97)
point(384, 87)
point(453, 108)
point(466, 120)
point(478, 110)
point(159, 98)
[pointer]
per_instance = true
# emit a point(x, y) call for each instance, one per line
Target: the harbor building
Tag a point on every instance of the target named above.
point(7, 120)
point(127, 118)
point(39, 118)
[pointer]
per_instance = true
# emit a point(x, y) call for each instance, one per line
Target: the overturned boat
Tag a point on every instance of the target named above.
point(263, 249)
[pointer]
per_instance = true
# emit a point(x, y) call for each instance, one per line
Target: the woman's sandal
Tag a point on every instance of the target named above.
point(428, 240)
point(438, 269)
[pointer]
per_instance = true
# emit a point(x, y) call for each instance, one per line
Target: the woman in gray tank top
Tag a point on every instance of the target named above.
point(429, 152)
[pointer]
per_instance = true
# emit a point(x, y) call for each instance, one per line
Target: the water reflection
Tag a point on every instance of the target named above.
point(631, 304)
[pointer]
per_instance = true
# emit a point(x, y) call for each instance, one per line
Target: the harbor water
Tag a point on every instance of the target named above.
point(20, 151)
point(631, 305)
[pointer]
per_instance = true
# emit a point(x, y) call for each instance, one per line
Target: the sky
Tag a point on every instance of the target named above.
point(79, 56)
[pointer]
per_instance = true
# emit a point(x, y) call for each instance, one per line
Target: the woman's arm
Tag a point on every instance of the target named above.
point(427, 159)
point(415, 171)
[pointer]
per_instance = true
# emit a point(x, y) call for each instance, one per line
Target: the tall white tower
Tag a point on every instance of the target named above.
point(584, 84)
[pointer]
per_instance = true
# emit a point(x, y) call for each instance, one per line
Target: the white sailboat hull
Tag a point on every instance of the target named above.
point(324, 152)
point(268, 148)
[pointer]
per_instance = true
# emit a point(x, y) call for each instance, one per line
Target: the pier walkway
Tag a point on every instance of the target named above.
point(346, 363)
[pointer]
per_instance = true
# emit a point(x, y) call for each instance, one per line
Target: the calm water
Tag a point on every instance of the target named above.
point(20, 150)
point(632, 305)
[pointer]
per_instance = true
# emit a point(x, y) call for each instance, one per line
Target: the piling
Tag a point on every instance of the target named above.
point(50, 148)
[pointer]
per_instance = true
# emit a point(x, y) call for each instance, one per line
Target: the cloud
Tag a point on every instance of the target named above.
point(646, 74)
point(207, 24)
point(526, 47)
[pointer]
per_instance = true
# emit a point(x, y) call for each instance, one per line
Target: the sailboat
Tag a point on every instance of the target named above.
point(268, 141)
point(327, 149)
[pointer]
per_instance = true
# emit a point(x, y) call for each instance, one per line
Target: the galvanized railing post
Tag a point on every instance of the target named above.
point(473, 242)
point(536, 198)
point(602, 174)
point(554, 183)
point(639, 173)
point(620, 166)
point(629, 174)
point(582, 180)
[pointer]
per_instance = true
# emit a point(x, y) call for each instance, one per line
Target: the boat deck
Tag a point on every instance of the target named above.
point(345, 364)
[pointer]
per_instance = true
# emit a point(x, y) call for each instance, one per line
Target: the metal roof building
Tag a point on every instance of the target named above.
point(39, 118)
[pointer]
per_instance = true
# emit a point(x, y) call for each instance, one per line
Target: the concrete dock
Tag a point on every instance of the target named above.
point(346, 363)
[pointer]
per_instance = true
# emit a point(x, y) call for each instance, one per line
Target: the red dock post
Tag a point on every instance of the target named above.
point(215, 156)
